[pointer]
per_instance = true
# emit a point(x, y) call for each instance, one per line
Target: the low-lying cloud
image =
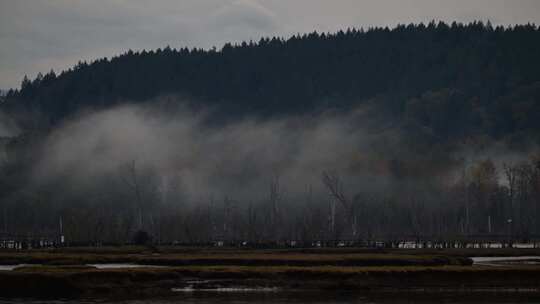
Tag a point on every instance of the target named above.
point(235, 159)
point(239, 159)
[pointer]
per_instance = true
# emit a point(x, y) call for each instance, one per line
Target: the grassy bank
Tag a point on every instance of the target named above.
point(63, 272)
point(138, 250)
point(230, 258)
point(52, 281)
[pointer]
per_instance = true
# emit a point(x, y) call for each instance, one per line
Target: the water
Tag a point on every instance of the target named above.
point(501, 261)
point(122, 266)
point(266, 300)
point(98, 266)
point(10, 267)
point(281, 298)
point(276, 296)
point(484, 261)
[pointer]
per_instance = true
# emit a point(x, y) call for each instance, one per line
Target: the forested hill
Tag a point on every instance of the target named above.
point(420, 130)
point(454, 79)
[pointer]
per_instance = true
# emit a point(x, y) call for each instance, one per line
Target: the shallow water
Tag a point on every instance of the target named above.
point(11, 267)
point(275, 298)
point(120, 266)
point(502, 261)
point(499, 259)
point(98, 266)
point(492, 261)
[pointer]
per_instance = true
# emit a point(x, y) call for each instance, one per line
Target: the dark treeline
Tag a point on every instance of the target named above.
point(453, 79)
point(430, 95)
point(484, 201)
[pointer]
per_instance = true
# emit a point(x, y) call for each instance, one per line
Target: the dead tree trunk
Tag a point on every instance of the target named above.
point(132, 181)
point(334, 186)
point(275, 199)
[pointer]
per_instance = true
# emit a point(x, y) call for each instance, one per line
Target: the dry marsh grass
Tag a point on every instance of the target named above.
point(226, 257)
point(78, 281)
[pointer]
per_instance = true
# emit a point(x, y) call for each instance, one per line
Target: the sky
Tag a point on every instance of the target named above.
point(37, 36)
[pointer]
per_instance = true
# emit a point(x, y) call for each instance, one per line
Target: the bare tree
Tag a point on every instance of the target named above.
point(335, 187)
point(275, 197)
point(132, 181)
point(251, 223)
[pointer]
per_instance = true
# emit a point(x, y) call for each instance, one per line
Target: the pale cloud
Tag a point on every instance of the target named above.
point(245, 15)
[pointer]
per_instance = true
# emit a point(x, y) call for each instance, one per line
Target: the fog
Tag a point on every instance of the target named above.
point(185, 151)
point(8, 128)
point(190, 175)
point(237, 159)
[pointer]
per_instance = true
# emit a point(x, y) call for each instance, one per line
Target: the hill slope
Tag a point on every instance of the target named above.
point(450, 79)
point(415, 131)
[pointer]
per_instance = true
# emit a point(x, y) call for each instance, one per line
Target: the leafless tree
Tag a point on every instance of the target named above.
point(275, 197)
point(334, 185)
point(132, 181)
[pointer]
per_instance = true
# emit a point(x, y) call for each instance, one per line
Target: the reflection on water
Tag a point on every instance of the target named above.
point(499, 259)
point(285, 298)
point(276, 296)
point(11, 267)
point(98, 266)
point(502, 261)
point(122, 266)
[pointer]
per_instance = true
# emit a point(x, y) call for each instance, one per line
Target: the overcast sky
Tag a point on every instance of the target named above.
point(39, 35)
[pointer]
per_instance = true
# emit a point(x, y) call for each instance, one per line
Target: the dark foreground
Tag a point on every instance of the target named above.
point(181, 275)
point(288, 298)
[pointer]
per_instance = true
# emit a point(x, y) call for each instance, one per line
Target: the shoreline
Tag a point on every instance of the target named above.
point(64, 274)
point(94, 283)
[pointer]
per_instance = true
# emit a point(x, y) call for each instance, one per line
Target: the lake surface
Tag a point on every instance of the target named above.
point(276, 298)
point(485, 261)
point(8, 267)
point(98, 266)
point(122, 266)
point(501, 261)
